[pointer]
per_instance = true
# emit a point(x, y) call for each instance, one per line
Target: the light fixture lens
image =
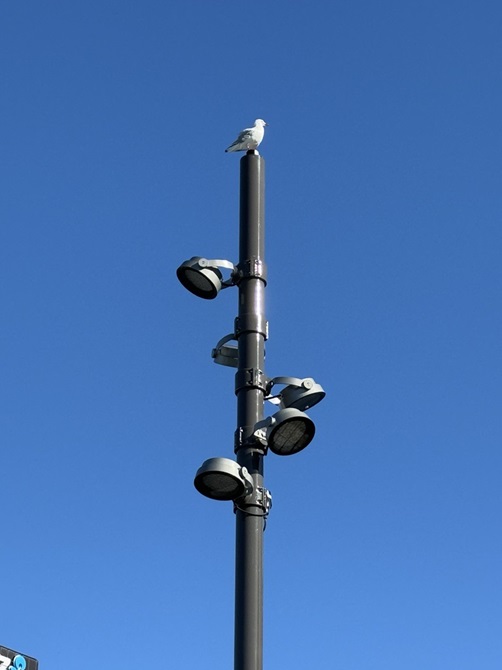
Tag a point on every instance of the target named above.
point(291, 432)
point(220, 479)
point(202, 282)
point(218, 486)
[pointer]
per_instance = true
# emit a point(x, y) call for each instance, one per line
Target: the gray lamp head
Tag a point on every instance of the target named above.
point(223, 479)
point(200, 278)
point(299, 394)
point(303, 396)
point(226, 354)
point(287, 432)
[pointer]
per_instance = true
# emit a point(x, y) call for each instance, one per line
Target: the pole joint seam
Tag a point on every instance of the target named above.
point(251, 323)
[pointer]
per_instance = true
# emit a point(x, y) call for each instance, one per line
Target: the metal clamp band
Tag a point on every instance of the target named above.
point(251, 267)
point(250, 378)
point(249, 442)
point(261, 498)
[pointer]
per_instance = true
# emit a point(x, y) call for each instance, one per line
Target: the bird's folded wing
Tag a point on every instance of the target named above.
point(245, 135)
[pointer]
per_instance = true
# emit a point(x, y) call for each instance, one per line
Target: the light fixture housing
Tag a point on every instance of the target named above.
point(202, 276)
point(225, 353)
point(298, 393)
point(223, 479)
point(287, 432)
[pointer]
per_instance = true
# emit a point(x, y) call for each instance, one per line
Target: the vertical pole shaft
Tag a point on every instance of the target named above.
point(251, 332)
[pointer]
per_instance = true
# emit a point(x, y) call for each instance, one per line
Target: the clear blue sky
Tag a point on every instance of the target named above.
point(384, 208)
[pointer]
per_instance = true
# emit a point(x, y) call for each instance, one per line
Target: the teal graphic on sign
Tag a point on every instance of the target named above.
point(13, 660)
point(18, 662)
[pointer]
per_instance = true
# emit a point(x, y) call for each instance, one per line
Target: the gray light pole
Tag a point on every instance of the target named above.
point(287, 432)
point(250, 387)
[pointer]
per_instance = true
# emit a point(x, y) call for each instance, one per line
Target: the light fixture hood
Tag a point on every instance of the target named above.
point(297, 393)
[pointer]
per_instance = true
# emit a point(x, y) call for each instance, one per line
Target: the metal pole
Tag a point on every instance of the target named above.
point(251, 332)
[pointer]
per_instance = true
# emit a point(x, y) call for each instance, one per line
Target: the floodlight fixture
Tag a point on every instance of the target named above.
point(287, 432)
point(223, 479)
point(202, 276)
point(299, 394)
point(225, 353)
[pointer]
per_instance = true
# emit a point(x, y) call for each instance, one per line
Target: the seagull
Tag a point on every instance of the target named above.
point(249, 138)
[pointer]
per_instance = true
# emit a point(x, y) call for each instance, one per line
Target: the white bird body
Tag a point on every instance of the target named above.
point(249, 138)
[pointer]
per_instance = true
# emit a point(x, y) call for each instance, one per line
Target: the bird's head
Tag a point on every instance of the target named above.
point(260, 122)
